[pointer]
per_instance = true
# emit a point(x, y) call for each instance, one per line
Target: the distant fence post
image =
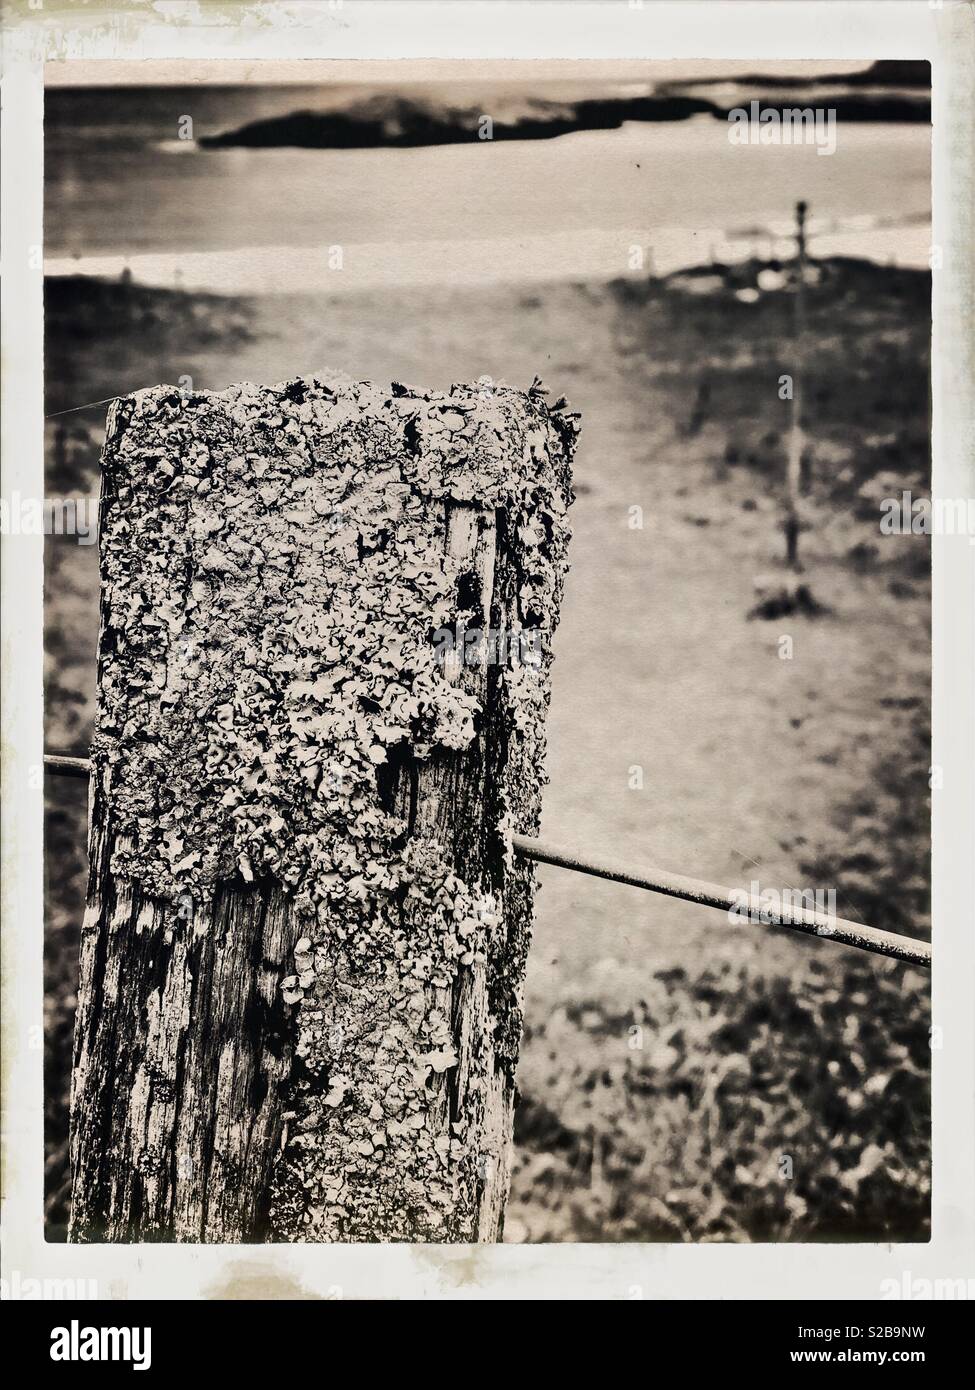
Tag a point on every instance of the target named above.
point(323, 671)
point(797, 442)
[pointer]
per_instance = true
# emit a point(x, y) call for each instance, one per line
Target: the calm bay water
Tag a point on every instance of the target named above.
point(123, 190)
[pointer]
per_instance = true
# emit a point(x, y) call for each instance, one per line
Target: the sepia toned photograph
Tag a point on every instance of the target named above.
point(504, 495)
point(487, 570)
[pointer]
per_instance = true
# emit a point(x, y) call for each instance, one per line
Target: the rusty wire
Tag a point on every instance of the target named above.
point(714, 895)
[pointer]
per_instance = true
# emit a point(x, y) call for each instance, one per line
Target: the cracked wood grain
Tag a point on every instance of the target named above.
point(303, 952)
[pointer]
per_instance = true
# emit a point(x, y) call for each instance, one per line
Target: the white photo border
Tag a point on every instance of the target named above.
point(367, 31)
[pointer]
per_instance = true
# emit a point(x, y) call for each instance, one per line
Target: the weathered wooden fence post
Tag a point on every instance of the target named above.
point(306, 933)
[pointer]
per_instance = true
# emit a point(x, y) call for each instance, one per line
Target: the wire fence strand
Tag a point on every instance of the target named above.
point(694, 890)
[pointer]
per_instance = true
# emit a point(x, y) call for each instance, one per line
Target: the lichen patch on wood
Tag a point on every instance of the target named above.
point(276, 720)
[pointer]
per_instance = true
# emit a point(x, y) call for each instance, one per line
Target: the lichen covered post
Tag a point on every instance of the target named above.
point(325, 647)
